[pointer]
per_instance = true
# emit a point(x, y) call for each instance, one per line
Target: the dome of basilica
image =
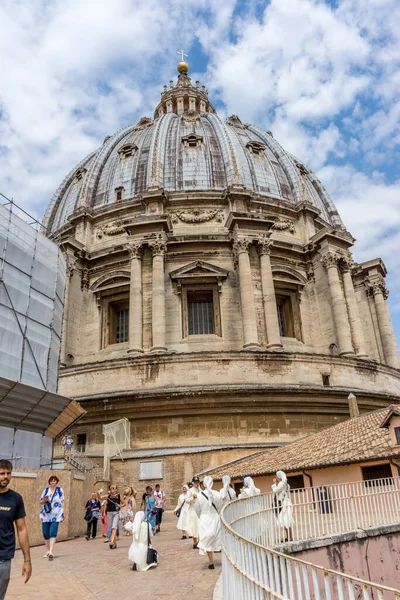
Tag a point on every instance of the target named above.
point(187, 147)
point(212, 304)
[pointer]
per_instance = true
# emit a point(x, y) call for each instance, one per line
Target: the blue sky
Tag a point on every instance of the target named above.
point(323, 76)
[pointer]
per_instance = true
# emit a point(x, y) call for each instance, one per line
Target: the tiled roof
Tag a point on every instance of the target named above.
point(356, 440)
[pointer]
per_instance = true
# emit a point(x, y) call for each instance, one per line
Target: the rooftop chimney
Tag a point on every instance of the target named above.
point(353, 406)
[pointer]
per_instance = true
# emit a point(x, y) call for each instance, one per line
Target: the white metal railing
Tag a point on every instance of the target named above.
point(252, 569)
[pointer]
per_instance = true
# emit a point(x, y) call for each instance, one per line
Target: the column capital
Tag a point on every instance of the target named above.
point(158, 247)
point(376, 287)
point(135, 249)
point(346, 262)
point(241, 244)
point(264, 246)
point(330, 259)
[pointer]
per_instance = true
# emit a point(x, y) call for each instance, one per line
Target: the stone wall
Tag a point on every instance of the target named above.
point(177, 469)
point(77, 488)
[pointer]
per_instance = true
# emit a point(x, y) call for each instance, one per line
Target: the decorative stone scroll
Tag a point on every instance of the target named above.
point(113, 228)
point(197, 215)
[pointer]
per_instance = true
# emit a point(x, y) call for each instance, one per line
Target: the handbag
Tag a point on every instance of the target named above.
point(47, 505)
point(152, 555)
point(88, 515)
point(178, 512)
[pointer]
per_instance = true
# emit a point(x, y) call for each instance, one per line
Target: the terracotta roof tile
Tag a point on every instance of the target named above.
point(358, 439)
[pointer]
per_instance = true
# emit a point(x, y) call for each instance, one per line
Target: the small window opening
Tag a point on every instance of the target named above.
point(119, 194)
point(397, 434)
point(296, 482)
point(127, 150)
point(256, 148)
point(200, 312)
point(118, 323)
point(285, 316)
point(79, 175)
point(81, 442)
point(377, 474)
point(192, 141)
point(326, 380)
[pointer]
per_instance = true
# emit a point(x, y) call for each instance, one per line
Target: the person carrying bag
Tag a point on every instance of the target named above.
point(152, 555)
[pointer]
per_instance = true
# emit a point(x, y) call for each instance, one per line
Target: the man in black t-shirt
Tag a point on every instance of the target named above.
point(12, 511)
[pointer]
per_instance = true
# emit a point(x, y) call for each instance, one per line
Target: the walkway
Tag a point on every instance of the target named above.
point(86, 570)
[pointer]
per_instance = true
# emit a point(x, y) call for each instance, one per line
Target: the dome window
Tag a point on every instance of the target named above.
point(79, 175)
point(256, 148)
point(192, 141)
point(127, 150)
point(119, 194)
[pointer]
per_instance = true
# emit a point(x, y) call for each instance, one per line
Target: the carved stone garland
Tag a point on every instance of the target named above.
point(197, 215)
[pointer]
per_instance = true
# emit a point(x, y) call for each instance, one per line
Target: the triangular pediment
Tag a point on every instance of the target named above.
point(199, 268)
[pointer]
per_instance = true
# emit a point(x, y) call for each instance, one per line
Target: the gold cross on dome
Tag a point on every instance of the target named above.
point(181, 52)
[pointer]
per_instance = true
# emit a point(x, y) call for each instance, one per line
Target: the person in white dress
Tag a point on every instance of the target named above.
point(227, 492)
point(182, 511)
point(193, 519)
point(282, 502)
point(141, 531)
point(249, 489)
point(208, 506)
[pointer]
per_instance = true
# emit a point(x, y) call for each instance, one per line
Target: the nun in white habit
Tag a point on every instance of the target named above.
point(227, 492)
point(182, 508)
point(282, 502)
point(208, 506)
point(249, 489)
point(140, 530)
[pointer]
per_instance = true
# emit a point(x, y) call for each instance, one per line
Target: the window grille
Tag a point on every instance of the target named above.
point(122, 326)
point(377, 474)
point(200, 312)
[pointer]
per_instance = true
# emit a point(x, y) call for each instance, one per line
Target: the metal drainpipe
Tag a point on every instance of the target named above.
point(311, 486)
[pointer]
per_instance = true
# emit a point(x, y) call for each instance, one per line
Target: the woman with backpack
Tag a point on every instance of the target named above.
point(51, 514)
point(92, 514)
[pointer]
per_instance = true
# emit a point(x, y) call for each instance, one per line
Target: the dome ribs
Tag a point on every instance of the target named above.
point(193, 152)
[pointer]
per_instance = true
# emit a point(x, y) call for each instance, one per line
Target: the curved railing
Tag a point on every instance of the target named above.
point(254, 570)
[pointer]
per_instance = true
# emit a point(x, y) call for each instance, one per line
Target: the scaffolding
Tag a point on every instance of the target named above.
point(117, 438)
point(32, 285)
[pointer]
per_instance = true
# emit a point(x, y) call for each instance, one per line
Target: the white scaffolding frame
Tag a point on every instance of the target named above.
point(117, 438)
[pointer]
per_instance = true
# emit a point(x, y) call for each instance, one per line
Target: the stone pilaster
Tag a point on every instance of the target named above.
point(268, 292)
point(71, 267)
point(250, 337)
point(135, 299)
point(339, 310)
point(352, 308)
point(158, 248)
point(380, 293)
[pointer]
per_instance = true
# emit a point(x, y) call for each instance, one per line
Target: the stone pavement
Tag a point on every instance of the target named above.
point(87, 570)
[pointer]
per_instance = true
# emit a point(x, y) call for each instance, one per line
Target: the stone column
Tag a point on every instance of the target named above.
point(158, 297)
point(64, 346)
point(250, 337)
point(352, 308)
point(268, 291)
point(340, 318)
point(135, 299)
point(389, 345)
